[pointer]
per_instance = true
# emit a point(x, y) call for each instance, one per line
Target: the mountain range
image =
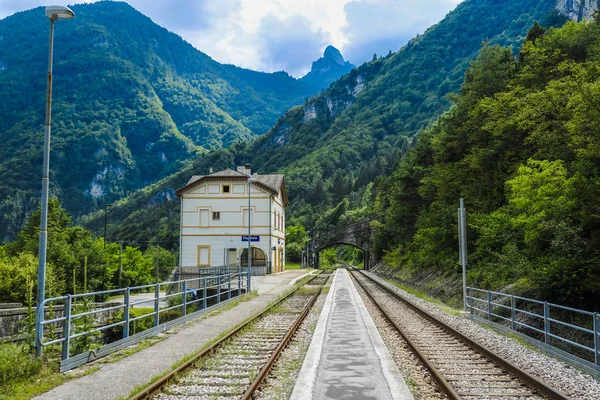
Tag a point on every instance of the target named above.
point(132, 103)
point(335, 145)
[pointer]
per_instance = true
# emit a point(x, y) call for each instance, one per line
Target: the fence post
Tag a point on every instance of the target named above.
point(156, 296)
point(239, 274)
point(546, 322)
point(184, 299)
point(126, 313)
point(67, 328)
point(204, 292)
point(513, 313)
point(229, 287)
point(596, 338)
point(489, 305)
point(471, 299)
point(218, 289)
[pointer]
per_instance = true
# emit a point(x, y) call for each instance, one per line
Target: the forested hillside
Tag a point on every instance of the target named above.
point(522, 146)
point(132, 103)
point(334, 145)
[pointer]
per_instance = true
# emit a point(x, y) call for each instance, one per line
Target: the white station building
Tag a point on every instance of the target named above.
point(214, 221)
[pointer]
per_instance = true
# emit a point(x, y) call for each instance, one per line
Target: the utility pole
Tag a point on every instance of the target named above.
point(84, 274)
point(105, 208)
point(120, 263)
point(462, 247)
point(156, 267)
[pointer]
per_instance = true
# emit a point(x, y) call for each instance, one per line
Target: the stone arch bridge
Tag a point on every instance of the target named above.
point(358, 234)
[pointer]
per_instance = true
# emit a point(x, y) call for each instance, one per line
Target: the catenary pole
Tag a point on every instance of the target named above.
point(462, 224)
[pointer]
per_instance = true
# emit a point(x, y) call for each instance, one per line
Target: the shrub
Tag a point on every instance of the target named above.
point(16, 364)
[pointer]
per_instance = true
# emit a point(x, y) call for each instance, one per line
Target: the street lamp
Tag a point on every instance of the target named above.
point(250, 181)
point(54, 13)
point(105, 208)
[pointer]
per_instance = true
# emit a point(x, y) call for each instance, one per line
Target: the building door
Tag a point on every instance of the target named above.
point(281, 260)
point(231, 256)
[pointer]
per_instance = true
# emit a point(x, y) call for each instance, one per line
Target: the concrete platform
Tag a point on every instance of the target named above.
point(118, 379)
point(347, 358)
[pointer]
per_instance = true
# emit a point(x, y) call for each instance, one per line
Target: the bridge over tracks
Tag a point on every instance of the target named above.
point(358, 234)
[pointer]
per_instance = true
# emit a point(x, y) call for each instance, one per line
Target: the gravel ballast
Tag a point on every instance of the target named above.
point(279, 384)
point(576, 384)
point(415, 375)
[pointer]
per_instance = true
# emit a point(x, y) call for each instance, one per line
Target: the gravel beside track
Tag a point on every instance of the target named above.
point(468, 372)
point(229, 370)
point(576, 384)
point(415, 375)
point(279, 384)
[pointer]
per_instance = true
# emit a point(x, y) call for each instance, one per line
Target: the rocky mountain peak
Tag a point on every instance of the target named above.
point(577, 10)
point(327, 68)
point(334, 55)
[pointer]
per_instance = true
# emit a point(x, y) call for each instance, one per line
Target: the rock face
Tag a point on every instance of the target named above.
point(577, 10)
point(327, 69)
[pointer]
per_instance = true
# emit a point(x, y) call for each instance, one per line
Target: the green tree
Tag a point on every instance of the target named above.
point(295, 241)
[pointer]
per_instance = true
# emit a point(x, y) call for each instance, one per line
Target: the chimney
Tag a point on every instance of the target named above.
point(210, 171)
point(248, 169)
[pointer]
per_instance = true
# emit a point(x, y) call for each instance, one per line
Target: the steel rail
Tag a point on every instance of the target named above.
point(533, 382)
point(155, 387)
point(436, 375)
point(282, 345)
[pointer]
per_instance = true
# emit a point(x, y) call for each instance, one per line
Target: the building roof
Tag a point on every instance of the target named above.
point(272, 182)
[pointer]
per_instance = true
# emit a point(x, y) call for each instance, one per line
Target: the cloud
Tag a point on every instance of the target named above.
point(289, 44)
point(187, 15)
point(271, 35)
point(377, 26)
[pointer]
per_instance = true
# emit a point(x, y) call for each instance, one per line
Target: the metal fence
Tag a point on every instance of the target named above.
point(569, 329)
point(79, 324)
point(189, 273)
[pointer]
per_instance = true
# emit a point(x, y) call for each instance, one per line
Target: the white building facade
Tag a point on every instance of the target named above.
point(214, 221)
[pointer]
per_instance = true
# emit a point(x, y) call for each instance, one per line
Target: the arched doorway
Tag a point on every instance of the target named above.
point(259, 258)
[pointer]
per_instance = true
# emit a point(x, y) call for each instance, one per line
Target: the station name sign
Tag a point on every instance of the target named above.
point(253, 238)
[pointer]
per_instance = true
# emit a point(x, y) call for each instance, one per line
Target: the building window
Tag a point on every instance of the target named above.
point(203, 256)
point(216, 216)
point(225, 188)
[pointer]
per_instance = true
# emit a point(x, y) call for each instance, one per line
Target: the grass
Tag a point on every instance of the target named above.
point(292, 265)
point(22, 376)
point(424, 296)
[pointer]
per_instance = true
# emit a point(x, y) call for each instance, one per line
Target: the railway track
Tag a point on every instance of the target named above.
point(462, 368)
point(235, 366)
point(321, 279)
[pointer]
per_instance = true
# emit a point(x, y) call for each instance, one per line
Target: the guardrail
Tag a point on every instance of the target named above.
point(569, 329)
point(207, 271)
point(192, 295)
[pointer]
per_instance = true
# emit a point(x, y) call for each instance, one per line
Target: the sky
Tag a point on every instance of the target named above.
point(288, 35)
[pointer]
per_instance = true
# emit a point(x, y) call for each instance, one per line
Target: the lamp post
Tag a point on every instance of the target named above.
point(54, 13)
point(250, 181)
point(105, 209)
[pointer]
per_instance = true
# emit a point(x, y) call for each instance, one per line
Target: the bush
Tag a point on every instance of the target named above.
point(16, 364)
